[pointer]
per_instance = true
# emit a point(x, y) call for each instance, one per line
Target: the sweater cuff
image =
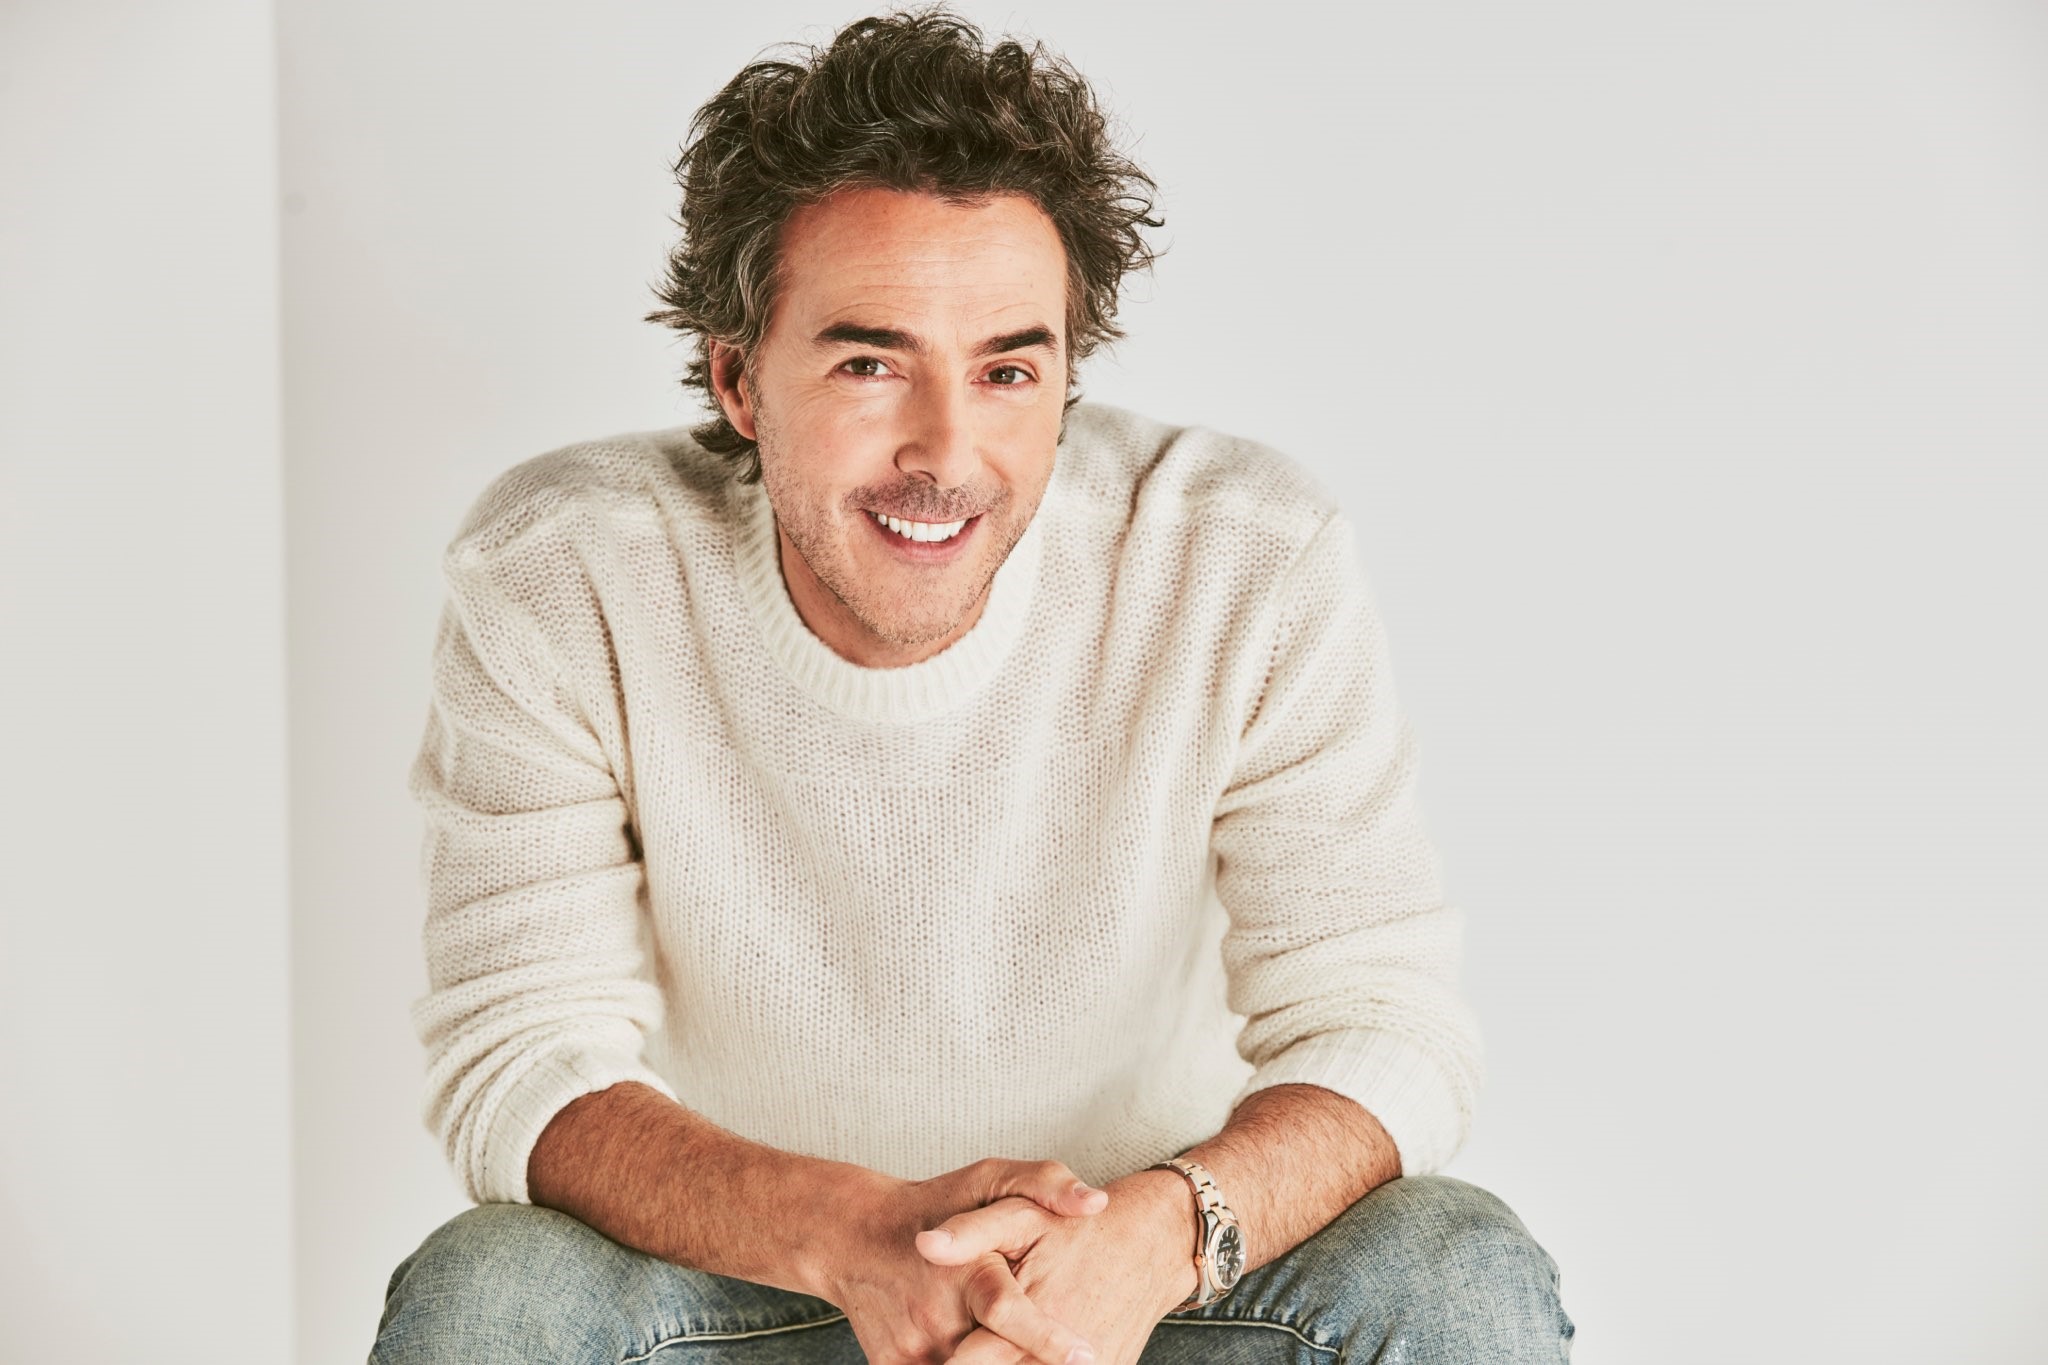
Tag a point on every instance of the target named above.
point(1397, 1080)
point(534, 1100)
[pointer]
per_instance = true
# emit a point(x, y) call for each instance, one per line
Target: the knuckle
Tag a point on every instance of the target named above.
point(990, 1283)
point(1054, 1172)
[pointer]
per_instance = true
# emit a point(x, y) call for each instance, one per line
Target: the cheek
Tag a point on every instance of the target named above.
point(817, 432)
point(831, 448)
point(1037, 425)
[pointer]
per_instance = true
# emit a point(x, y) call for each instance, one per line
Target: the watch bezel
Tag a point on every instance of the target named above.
point(1211, 1246)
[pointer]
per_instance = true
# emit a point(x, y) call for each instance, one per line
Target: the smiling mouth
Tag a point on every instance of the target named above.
point(923, 532)
point(927, 542)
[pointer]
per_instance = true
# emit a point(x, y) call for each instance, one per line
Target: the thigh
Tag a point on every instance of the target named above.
point(520, 1282)
point(1422, 1269)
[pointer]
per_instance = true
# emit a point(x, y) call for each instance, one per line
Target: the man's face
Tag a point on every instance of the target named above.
point(914, 365)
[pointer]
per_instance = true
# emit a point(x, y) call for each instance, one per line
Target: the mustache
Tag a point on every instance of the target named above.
point(914, 508)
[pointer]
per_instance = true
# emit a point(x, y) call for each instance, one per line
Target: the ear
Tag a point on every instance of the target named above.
point(728, 385)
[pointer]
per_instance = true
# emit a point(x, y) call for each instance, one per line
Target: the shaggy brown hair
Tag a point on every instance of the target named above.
point(908, 101)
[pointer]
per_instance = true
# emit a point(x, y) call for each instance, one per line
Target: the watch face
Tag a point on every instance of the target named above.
point(1226, 1254)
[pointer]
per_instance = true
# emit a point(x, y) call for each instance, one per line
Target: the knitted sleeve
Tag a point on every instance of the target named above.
point(534, 935)
point(1341, 951)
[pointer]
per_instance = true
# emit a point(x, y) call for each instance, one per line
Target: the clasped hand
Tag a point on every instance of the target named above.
point(998, 1263)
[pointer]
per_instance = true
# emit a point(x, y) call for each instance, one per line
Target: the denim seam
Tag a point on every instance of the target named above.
point(1290, 1328)
point(731, 1336)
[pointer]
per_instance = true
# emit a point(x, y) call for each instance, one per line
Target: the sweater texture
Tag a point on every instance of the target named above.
point(1143, 841)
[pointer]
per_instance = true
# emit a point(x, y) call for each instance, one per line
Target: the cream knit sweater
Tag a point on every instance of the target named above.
point(1143, 841)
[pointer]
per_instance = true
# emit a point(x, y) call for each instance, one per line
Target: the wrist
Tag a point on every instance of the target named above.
point(843, 1203)
point(1168, 1223)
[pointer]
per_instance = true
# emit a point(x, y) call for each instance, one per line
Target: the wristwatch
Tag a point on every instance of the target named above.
point(1219, 1246)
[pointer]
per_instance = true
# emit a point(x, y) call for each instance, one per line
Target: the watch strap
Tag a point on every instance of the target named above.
point(1210, 1210)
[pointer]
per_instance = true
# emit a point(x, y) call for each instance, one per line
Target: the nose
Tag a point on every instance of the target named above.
point(940, 444)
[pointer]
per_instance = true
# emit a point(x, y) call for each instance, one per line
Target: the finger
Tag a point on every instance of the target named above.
point(983, 1347)
point(1010, 1225)
point(1050, 1183)
point(1001, 1305)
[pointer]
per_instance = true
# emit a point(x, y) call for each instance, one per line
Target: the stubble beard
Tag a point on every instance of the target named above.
point(900, 613)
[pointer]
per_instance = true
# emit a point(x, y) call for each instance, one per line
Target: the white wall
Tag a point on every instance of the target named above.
point(144, 1036)
point(1684, 367)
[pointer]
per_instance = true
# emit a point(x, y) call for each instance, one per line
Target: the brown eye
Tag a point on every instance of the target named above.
point(1023, 376)
point(864, 360)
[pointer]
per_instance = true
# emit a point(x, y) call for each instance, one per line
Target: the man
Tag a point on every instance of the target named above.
point(853, 820)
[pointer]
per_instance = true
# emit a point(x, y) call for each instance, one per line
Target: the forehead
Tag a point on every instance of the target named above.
point(866, 249)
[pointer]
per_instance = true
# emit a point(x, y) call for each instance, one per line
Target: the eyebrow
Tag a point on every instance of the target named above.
point(893, 339)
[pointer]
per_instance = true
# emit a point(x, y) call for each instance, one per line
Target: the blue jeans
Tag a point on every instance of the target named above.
point(1423, 1269)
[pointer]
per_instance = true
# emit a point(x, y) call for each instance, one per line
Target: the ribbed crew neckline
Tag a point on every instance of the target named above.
point(929, 687)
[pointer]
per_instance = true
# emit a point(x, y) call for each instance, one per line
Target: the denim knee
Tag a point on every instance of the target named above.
point(1445, 1271)
point(504, 1282)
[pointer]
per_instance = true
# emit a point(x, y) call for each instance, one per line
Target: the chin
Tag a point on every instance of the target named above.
point(914, 634)
point(912, 620)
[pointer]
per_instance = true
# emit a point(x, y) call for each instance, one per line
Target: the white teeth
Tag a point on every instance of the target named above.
point(921, 530)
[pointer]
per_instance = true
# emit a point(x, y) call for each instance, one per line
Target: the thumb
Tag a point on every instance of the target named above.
point(1008, 1226)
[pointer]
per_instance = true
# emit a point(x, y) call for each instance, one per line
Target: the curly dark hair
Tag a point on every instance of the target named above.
point(908, 101)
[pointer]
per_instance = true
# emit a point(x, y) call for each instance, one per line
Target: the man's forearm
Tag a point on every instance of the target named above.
point(653, 1175)
point(1291, 1158)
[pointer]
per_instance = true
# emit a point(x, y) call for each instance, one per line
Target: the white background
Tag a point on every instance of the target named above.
point(1685, 366)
